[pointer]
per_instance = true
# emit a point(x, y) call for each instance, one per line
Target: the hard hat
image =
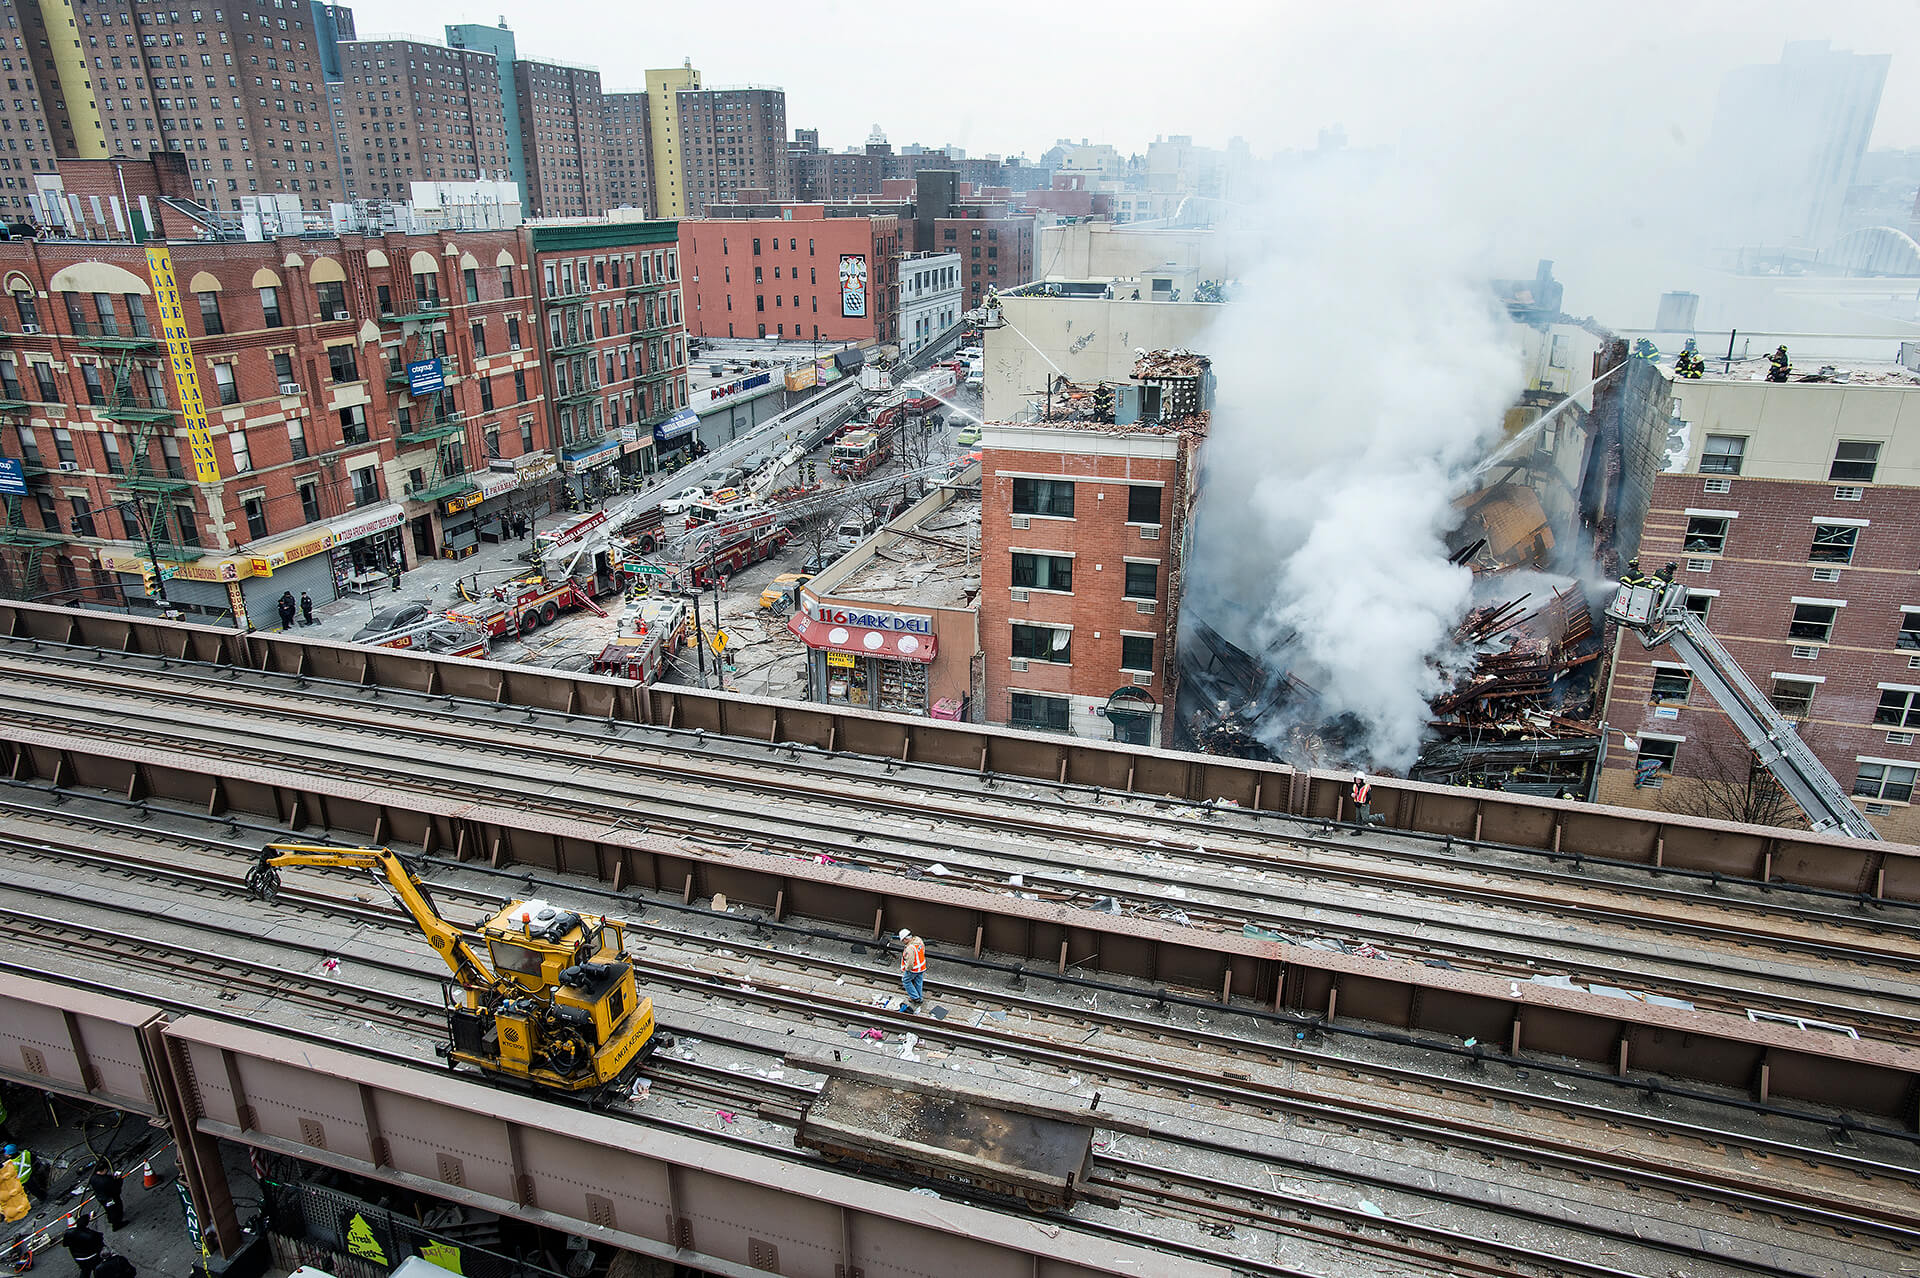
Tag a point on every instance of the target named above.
point(1359, 776)
point(905, 932)
point(9, 1151)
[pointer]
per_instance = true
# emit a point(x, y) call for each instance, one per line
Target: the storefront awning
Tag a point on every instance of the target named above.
point(894, 645)
point(679, 424)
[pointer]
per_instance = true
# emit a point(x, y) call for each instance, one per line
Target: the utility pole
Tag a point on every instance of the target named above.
point(145, 525)
point(699, 637)
point(719, 656)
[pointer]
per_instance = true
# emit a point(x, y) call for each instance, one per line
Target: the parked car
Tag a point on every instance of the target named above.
point(680, 502)
point(783, 590)
point(817, 564)
point(968, 436)
point(391, 619)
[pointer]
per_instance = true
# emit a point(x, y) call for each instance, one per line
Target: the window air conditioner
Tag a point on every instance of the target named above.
point(30, 328)
point(1144, 607)
point(1020, 596)
point(1022, 521)
point(340, 315)
point(66, 465)
point(1150, 532)
point(1143, 677)
point(1018, 663)
point(289, 388)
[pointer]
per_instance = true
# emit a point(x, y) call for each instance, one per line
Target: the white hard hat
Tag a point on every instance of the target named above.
point(905, 932)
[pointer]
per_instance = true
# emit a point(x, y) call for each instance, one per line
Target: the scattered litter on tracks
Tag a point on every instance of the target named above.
point(726, 1115)
point(906, 1048)
point(1371, 1208)
point(924, 1192)
point(1016, 880)
point(938, 869)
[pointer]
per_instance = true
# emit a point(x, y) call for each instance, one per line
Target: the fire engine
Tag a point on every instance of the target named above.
point(734, 549)
point(860, 452)
point(651, 633)
point(524, 605)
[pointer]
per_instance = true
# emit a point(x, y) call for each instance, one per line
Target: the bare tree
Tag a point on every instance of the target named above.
point(816, 531)
point(1725, 781)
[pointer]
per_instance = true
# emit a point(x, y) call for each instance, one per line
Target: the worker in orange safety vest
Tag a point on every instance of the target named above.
point(1362, 802)
point(913, 967)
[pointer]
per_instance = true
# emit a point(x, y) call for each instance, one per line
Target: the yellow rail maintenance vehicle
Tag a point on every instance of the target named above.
point(552, 1006)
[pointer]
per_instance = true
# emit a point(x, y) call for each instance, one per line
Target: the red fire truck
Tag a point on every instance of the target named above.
point(861, 452)
point(651, 633)
point(523, 605)
point(734, 550)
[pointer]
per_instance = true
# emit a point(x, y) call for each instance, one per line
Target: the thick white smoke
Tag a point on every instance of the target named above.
point(1363, 368)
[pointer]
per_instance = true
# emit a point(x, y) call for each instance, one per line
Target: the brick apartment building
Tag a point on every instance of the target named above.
point(562, 136)
point(629, 147)
point(614, 347)
point(1082, 528)
point(239, 93)
point(834, 177)
point(1795, 520)
point(994, 244)
point(273, 438)
point(419, 112)
point(803, 275)
point(731, 139)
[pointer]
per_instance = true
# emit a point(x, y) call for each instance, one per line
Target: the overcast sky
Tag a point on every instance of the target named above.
point(1012, 76)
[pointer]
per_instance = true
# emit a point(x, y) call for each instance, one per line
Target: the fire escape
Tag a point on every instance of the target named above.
point(24, 551)
point(430, 429)
point(135, 397)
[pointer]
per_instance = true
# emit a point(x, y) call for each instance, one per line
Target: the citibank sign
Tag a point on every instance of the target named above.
point(902, 622)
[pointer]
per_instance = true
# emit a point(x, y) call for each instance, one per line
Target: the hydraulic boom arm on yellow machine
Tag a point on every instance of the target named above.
point(446, 939)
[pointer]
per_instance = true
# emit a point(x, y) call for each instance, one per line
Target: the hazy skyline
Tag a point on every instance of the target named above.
point(1012, 79)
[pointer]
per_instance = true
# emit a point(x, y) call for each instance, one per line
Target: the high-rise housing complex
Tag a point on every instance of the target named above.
point(669, 174)
point(629, 151)
point(239, 92)
point(499, 42)
point(419, 112)
point(1786, 144)
point(731, 140)
point(561, 122)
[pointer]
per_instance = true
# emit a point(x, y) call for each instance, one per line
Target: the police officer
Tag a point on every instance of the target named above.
point(105, 1183)
point(287, 609)
point(84, 1243)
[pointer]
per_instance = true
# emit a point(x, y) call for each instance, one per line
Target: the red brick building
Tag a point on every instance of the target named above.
point(994, 244)
point(732, 138)
point(1082, 527)
point(1795, 521)
point(614, 347)
point(249, 407)
point(804, 276)
point(563, 121)
point(419, 112)
point(628, 133)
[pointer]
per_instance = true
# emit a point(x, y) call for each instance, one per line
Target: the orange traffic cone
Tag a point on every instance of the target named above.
point(148, 1177)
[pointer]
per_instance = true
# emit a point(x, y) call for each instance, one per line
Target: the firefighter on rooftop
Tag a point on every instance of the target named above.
point(1778, 365)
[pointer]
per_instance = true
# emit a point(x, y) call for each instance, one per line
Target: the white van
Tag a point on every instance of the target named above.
point(853, 530)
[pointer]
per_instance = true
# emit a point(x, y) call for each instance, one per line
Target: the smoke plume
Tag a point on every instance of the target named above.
point(1363, 368)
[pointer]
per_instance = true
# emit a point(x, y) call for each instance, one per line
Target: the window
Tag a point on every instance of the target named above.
point(506, 281)
point(1854, 461)
point(479, 339)
point(283, 371)
point(1899, 708)
point(1706, 534)
point(519, 386)
point(470, 279)
point(1042, 643)
point(1813, 622)
point(1722, 454)
point(1670, 684)
point(223, 378)
point(486, 394)
point(309, 502)
point(270, 307)
point(332, 299)
point(366, 485)
point(1042, 572)
point(1051, 497)
point(63, 445)
point(383, 298)
point(1887, 782)
point(1793, 697)
point(1143, 581)
point(43, 377)
point(1657, 755)
point(1909, 636)
point(297, 437)
point(426, 289)
point(340, 362)
point(256, 508)
point(1049, 714)
point(1698, 604)
point(82, 517)
point(210, 313)
point(1143, 504)
point(353, 424)
point(513, 332)
point(1136, 652)
point(1833, 543)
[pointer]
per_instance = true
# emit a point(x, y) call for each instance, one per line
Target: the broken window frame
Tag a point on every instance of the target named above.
point(1899, 708)
point(1833, 543)
point(1789, 699)
point(1053, 713)
point(1883, 782)
point(1664, 749)
point(1706, 534)
point(1670, 683)
point(1855, 461)
point(1723, 460)
point(1808, 625)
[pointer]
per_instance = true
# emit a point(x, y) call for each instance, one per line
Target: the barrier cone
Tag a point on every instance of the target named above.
point(148, 1177)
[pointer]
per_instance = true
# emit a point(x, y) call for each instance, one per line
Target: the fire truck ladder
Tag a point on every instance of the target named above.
point(1659, 615)
point(689, 545)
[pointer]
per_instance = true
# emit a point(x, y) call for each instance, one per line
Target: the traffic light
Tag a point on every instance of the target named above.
point(148, 582)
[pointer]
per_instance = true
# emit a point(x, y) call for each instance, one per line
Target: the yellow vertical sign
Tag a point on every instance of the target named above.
point(173, 324)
